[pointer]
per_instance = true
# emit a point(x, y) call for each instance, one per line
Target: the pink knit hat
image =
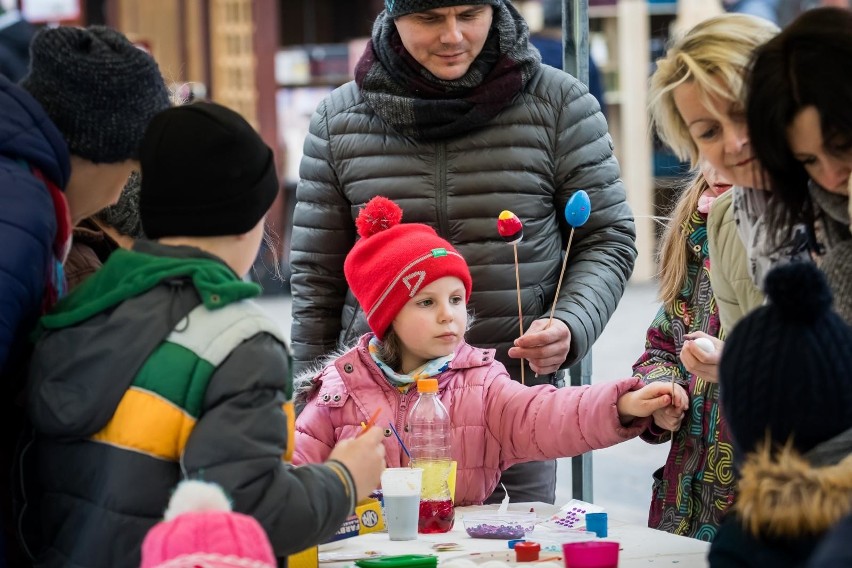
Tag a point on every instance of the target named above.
point(392, 261)
point(200, 529)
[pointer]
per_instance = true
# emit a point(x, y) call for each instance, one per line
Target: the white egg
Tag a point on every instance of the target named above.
point(705, 345)
point(494, 564)
point(459, 563)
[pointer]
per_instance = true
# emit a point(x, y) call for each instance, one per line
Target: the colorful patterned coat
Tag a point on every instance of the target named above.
point(696, 486)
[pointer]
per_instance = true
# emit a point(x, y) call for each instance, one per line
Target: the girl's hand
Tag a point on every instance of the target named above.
point(671, 416)
point(699, 362)
point(643, 402)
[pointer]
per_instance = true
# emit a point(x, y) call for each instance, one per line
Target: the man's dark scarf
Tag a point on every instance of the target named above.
point(418, 104)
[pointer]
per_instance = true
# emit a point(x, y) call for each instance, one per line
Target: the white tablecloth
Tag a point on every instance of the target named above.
point(639, 545)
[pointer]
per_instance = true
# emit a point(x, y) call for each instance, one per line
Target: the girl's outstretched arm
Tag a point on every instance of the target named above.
point(543, 422)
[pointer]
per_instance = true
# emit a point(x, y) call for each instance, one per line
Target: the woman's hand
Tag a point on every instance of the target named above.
point(699, 362)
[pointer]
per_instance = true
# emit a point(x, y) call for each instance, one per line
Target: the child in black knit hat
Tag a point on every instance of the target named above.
point(159, 368)
point(786, 388)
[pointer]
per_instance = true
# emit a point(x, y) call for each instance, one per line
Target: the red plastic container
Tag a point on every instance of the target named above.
point(527, 551)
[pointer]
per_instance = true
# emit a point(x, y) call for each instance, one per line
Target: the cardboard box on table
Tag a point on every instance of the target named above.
point(366, 519)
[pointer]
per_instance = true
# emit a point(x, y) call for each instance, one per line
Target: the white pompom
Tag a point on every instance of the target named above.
point(193, 496)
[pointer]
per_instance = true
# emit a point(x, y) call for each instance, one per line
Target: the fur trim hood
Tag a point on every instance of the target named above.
point(310, 380)
point(783, 494)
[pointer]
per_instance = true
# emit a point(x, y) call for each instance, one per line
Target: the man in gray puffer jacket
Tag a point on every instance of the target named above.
point(453, 116)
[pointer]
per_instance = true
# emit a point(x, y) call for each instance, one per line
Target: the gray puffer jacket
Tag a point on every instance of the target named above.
point(549, 142)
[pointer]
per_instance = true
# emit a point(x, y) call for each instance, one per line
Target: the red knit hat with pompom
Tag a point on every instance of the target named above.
point(393, 261)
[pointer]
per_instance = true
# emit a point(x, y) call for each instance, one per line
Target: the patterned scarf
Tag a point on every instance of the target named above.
point(831, 212)
point(416, 103)
point(750, 211)
point(404, 382)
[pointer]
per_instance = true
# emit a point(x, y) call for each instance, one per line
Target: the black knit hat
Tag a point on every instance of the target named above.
point(396, 8)
point(98, 88)
point(787, 366)
point(205, 172)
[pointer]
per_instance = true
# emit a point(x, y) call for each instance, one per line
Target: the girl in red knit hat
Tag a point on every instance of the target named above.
point(413, 287)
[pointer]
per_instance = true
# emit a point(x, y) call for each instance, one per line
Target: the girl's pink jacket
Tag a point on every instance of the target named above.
point(496, 422)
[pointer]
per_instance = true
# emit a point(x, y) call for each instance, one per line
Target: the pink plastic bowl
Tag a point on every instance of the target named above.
point(592, 554)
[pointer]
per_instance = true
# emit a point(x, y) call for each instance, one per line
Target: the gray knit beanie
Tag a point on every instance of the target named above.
point(397, 8)
point(124, 215)
point(98, 88)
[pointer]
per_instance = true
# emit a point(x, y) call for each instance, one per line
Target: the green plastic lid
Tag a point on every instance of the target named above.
point(403, 561)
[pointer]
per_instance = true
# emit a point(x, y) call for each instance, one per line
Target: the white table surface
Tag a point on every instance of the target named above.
point(640, 546)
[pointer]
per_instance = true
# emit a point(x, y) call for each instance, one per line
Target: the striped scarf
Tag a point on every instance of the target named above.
point(416, 103)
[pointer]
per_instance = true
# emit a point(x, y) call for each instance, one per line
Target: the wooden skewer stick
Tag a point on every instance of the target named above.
point(561, 275)
point(520, 311)
point(511, 230)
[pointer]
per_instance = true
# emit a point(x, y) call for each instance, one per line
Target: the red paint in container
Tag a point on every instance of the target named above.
point(527, 551)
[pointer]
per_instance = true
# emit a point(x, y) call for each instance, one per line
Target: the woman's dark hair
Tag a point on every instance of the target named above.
point(808, 64)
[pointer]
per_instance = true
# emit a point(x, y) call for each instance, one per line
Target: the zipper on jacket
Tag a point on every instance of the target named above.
point(401, 422)
point(441, 189)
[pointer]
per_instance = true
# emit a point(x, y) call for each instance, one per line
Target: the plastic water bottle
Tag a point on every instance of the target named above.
point(430, 447)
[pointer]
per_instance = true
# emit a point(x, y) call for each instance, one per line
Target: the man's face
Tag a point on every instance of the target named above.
point(446, 41)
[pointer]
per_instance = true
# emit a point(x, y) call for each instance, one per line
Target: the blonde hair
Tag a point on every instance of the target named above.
point(673, 257)
point(715, 55)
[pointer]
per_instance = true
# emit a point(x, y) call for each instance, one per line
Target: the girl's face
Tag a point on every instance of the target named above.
point(718, 184)
point(829, 167)
point(432, 323)
point(720, 134)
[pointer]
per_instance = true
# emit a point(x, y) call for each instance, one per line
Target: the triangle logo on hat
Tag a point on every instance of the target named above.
point(420, 275)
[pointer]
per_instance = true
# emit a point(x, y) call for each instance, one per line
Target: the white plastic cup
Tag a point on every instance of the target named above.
point(401, 494)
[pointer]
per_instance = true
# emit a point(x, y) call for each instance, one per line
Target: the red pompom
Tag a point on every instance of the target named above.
point(379, 214)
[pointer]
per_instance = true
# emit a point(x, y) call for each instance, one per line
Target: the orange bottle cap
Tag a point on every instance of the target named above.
point(427, 385)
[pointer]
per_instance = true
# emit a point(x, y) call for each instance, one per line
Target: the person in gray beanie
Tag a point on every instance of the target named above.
point(453, 116)
point(69, 138)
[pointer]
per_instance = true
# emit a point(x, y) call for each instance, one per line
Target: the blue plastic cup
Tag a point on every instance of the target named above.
point(596, 523)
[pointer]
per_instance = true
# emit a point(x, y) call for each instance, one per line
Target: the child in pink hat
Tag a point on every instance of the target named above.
point(200, 529)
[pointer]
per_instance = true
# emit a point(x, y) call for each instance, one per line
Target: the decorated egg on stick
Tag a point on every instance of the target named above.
point(577, 212)
point(510, 227)
point(512, 230)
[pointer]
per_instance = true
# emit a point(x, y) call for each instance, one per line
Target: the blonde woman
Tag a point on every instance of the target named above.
point(694, 489)
point(697, 104)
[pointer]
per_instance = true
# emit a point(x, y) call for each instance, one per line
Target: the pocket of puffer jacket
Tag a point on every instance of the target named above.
point(538, 290)
point(332, 397)
point(350, 335)
point(544, 297)
point(657, 483)
point(658, 499)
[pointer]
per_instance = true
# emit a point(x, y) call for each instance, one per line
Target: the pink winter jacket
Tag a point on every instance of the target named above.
point(496, 422)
